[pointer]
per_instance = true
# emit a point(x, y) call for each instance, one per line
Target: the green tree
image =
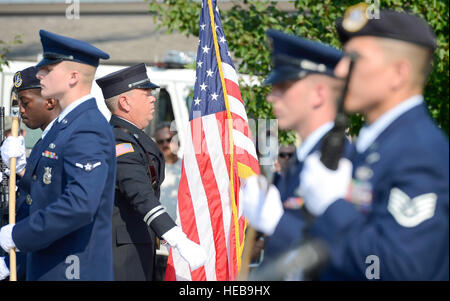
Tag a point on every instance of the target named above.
point(5, 48)
point(246, 22)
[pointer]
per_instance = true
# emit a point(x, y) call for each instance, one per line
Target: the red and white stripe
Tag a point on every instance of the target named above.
point(204, 208)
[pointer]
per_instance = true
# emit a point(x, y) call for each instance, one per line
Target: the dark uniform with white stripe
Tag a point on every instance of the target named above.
point(138, 215)
point(140, 172)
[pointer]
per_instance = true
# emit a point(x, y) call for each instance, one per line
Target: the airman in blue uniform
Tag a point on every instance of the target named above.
point(304, 96)
point(388, 217)
point(67, 235)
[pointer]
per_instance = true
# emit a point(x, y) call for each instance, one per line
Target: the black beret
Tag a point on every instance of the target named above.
point(26, 79)
point(295, 57)
point(358, 21)
point(134, 77)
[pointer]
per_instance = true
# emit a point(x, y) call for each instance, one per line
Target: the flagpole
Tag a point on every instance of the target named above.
point(230, 135)
point(12, 200)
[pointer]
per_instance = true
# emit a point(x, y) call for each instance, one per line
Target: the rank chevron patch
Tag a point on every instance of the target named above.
point(411, 212)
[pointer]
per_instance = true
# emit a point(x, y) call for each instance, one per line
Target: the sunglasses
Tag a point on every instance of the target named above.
point(285, 155)
point(161, 141)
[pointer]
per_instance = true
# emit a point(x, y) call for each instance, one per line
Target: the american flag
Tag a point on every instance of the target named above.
point(219, 152)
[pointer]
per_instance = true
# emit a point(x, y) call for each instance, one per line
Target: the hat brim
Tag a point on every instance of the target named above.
point(46, 62)
point(28, 88)
point(280, 75)
point(147, 85)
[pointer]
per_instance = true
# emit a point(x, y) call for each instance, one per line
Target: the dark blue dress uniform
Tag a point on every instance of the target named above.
point(290, 229)
point(72, 186)
point(138, 216)
point(24, 80)
point(293, 59)
point(398, 206)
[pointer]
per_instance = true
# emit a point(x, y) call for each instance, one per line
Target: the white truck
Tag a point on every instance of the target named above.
point(172, 105)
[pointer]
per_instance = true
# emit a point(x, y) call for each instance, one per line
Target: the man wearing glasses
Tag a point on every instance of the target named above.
point(138, 216)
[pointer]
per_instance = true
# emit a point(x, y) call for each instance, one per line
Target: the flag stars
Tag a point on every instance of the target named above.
point(202, 26)
point(203, 87)
point(197, 101)
point(214, 96)
point(199, 64)
point(222, 39)
point(209, 73)
point(205, 49)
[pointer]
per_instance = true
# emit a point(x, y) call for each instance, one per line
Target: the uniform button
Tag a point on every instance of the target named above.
point(29, 200)
point(34, 177)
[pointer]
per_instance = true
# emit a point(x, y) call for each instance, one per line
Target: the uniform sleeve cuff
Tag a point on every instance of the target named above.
point(160, 222)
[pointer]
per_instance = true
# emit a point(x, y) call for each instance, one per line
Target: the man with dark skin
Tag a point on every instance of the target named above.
point(36, 112)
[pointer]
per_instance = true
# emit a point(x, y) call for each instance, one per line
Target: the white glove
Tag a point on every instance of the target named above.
point(4, 271)
point(320, 187)
point(189, 250)
point(6, 241)
point(263, 210)
point(14, 147)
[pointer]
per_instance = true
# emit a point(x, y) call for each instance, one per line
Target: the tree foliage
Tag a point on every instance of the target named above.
point(5, 48)
point(246, 22)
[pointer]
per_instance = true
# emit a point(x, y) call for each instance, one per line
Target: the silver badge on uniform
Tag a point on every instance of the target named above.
point(47, 178)
point(372, 158)
point(363, 173)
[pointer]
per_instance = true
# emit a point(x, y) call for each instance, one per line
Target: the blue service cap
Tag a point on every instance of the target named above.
point(294, 57)
point(26, 79)
point(134, 77)
point(59, 48)
point(358, 21)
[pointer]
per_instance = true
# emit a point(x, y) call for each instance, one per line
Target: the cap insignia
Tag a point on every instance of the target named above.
point(355, 17)
point(18, 79)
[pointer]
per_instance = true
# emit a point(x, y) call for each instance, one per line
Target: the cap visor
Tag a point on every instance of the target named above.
point(46, 62)
point(282, 75)
point(147, 85)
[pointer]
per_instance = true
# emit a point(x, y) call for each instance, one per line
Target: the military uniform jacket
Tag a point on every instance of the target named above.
point(67, 235)
point(290, 229)
point(395, 219)
point(23, 201)
point(138, 214)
